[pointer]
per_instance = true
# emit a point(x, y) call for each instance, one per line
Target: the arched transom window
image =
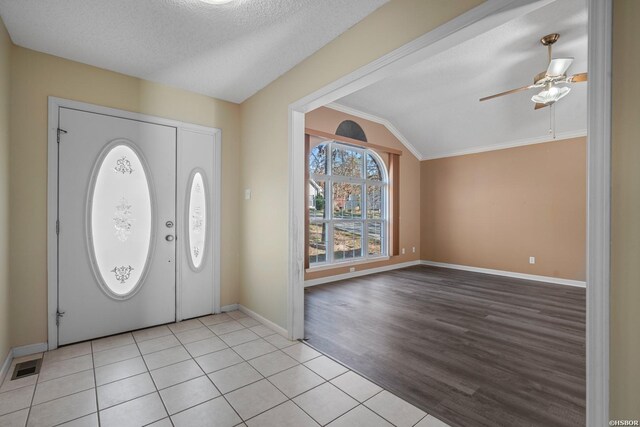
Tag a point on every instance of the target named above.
point(347, 201)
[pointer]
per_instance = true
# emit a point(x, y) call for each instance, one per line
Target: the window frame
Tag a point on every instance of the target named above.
point(329, 179)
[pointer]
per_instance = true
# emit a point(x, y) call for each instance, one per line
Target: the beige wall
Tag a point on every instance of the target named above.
point(625, 213)
point(36, 76)
point(496, 209)
point(264, 125)
point(5, 100)
point(327, 120)
point(265, 137)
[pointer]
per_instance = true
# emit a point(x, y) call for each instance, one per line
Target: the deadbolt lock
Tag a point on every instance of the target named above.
point(169, 224)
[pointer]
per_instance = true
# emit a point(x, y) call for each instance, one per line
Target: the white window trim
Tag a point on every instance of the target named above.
point(370, 260)
point(328, 178)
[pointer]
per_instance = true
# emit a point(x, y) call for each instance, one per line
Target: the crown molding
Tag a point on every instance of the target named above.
point(384, 122)
point(473, 150)
point(510, 144)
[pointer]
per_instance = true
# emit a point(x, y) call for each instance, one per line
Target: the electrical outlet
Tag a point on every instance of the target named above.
point(402, 251)
point(352, 269)
point(247, 194)
point(532, 260)
point(413, 249)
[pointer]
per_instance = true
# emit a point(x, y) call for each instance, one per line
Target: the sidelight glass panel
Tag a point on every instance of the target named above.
point(120, 218)
point(197, 219)
point(347, 240)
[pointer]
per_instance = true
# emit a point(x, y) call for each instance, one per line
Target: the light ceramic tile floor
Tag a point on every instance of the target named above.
point(221, 370)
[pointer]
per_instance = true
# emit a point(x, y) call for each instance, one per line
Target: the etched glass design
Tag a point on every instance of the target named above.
point(197, 219)
point(120, 218)
point(123, 165)
point(122, 273)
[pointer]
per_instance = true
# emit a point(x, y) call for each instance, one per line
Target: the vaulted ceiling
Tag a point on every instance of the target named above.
point(228, 51)
point(435, 104)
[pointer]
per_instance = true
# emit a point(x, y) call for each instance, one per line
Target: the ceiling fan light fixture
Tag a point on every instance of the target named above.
point(551, 95)
point(558, 66)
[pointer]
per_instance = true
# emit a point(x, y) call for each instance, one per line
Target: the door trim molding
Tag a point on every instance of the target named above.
point(600, 27)
point(54, 104)
point(479, 19)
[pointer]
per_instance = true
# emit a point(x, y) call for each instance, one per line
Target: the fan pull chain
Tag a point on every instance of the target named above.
point(552, 121)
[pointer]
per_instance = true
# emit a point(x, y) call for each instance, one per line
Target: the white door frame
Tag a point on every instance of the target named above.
point(474, 22)
point(52, 201)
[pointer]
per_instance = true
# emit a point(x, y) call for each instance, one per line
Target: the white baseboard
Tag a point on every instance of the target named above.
point(547, 279)
point(4, 369)
point(15, 352)
point(335, 278)
point(268, 323)
point(27, 350)
point(230, 307)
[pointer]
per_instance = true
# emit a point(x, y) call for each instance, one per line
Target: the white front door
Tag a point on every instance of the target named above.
point(117, 232)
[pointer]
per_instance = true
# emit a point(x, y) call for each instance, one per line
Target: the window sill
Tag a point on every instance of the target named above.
point(346, 264)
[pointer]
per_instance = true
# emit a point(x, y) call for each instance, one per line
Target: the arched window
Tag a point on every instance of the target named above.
point(347, 201)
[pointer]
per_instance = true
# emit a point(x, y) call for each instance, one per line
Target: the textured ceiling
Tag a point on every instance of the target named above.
point(435, 106)
point(227, 51)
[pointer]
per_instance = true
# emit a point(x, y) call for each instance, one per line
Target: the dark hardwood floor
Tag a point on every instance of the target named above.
point(471, 349)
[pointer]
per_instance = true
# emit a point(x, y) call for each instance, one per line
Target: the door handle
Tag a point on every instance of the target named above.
point(169, 238)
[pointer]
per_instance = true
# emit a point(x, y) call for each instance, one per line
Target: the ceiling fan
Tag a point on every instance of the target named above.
point(550, 80)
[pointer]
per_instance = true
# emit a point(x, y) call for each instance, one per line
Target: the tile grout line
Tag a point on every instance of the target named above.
point(300, 394)
point(263, 378)
point(93, 369)
point(425, 416)
point(243, 360)
point(75, 419)
point(380, 415)
point(276, 387)
point(221, 394)
point(172, 333)
point(325, 381)
point(95, 383)
point(126, 401)
point(165, 366)
point(373, 382)
point(260, 373)
point(329, 382)
point(15, 389)
point(154, 381)
point(35, 386)
point(135, 341)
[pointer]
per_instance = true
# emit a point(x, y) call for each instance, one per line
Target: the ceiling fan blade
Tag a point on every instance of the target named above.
point(577, 78)
point(520, 89)
point(539, 106)
point(558, 66)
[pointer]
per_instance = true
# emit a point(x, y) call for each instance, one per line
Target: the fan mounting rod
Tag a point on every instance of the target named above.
point(549, 40)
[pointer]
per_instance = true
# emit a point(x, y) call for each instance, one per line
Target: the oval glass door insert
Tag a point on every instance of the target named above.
point(197, 220)
point(120, 221)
